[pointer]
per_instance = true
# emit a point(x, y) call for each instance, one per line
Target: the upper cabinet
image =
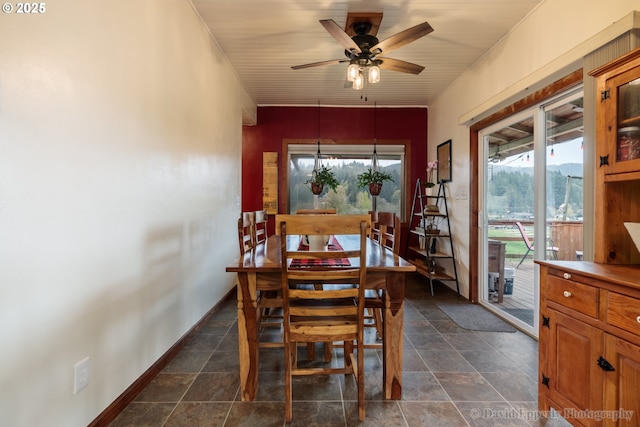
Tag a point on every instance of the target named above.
point(618, 158)
point(618, 117)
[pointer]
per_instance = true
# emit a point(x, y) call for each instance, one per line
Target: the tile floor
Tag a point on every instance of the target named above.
point(452, 377)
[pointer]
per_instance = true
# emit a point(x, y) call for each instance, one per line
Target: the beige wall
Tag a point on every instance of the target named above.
point(120, 145)
point(547, 44)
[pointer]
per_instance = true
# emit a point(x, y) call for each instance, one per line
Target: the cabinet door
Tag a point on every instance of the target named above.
point(574, 376)
point(617, 182)
point(622, 386)
point(623, 121)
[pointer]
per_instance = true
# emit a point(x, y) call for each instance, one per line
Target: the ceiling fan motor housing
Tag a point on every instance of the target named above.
point(364, 40)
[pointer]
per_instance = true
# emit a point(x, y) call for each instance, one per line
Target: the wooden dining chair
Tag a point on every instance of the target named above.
point(374, 225)
point(260, 227)
point(328, 346)
point(268, 285)
point(388, 224)
point(331, 313)
point(245, 232)
point(387, 233)
point(318, 212)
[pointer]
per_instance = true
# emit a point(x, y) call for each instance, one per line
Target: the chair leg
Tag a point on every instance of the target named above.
point(348, 351)
point(360, 380)
point(328, 349)
point(377, 316)
point(289, 360)
point(523, 257)
point(311, 351)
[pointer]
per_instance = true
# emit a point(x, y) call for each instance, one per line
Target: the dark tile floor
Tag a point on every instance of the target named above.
point(452, 377)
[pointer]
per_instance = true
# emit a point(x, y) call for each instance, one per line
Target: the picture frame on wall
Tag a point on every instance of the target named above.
point(444, 161)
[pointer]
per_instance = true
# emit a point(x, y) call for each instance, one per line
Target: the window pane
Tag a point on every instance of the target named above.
point(510, 206)
point(348, 198)
point(564, 173)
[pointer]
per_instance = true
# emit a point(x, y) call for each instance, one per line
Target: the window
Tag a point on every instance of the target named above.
point(346, 162)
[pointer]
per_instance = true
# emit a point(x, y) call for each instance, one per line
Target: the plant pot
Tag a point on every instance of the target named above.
point(375, 188)
point(317, 188)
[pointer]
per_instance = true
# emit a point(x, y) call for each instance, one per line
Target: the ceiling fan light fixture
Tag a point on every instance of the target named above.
point(362, 48)
point(352, 71)
point(358, 83)
point(374, 73)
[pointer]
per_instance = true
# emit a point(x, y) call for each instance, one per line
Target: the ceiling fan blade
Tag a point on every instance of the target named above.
point(317, 64)
point(339, 34)
point(402, 38)
point(399, 65)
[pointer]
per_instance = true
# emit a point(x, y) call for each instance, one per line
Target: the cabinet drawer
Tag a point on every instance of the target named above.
point(623, 312)
point(574, 295)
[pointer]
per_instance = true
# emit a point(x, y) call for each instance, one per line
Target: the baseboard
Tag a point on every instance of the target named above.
point(118, 405)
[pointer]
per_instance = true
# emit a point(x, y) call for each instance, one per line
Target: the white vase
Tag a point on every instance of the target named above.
point(317, 243)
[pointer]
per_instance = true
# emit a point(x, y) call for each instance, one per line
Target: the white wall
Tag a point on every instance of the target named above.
point(120, 157)
point(545, 45)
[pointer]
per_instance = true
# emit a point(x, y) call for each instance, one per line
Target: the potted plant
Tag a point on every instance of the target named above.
point(431, 169)
point(374, 180)
point(321, 177)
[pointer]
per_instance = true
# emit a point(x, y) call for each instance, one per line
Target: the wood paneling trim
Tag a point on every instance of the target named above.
point(534, 98)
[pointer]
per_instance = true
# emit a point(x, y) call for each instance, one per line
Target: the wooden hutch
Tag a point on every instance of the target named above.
point(589, 348)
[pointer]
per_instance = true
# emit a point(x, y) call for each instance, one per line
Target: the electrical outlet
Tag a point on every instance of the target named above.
point(81, 375)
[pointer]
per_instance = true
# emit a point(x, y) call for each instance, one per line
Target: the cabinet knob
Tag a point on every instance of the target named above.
point(566, 276)
point(638, 319)
point(566, 294)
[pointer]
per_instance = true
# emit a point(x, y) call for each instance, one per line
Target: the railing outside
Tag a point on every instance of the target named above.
point(566, 235)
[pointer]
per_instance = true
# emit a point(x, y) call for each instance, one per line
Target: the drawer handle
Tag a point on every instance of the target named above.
point(566, 294)
point(567, 276)
point(638, 319)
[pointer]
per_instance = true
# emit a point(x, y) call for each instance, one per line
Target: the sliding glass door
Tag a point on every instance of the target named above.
point(530, 203)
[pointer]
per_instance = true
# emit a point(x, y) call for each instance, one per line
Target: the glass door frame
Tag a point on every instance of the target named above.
point(483, 230)
point(538, 113)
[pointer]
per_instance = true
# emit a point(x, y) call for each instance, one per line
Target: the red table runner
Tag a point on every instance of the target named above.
point(333, 245)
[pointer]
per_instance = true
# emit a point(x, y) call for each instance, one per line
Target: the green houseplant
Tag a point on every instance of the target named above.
point(321, 177)
point(374, 180)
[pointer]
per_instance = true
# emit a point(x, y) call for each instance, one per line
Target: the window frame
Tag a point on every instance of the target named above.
point(400, 147)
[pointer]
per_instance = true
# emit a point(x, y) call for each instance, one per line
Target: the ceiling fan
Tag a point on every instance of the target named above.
point(365, 53)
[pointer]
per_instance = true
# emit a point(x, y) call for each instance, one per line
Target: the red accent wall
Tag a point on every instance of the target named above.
point(278, 123)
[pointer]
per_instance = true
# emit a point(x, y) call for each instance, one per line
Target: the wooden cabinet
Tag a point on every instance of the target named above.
point(589, 348)
point(589, 337)
point(618, 158)
point(622, 386)
point(573, 370)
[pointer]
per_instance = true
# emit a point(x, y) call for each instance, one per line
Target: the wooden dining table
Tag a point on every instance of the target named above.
point(265, 258)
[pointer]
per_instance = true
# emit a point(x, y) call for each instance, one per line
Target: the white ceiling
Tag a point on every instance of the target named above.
point(264, 38)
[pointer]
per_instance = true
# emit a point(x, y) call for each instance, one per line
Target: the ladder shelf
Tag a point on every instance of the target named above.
point(430, 244)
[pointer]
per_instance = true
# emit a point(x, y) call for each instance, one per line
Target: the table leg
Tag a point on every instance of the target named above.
point(393, 333)
point(248, 335)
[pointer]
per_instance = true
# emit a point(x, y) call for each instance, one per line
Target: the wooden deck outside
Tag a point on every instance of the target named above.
point(566, 235)
point(520, 303)
point(523, 286)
